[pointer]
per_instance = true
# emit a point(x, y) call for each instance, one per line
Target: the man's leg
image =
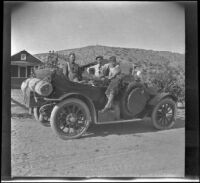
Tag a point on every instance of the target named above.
point(109, 102)
point(111, 91)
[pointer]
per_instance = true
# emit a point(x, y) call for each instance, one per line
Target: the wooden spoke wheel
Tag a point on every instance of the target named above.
point(70, 118)
point(164, 114)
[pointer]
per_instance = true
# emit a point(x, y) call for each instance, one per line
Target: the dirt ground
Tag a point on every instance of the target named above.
point(117, 150)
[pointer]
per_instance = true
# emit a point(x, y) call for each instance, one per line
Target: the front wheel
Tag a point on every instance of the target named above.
point(70, 118)
point(164, 113)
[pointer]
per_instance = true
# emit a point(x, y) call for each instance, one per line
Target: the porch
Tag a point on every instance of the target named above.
point(19, 72)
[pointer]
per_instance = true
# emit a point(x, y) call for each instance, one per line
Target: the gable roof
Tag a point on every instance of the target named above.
point(29, 58)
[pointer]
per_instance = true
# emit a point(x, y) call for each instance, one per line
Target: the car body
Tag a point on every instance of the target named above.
point(73, 106)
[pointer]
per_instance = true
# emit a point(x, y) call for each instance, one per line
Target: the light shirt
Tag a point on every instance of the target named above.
point(113, 71)
point(71, 70)
point(138, 73)
point(98, 70)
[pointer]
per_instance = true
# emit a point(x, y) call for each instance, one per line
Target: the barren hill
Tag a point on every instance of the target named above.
point(87, 54)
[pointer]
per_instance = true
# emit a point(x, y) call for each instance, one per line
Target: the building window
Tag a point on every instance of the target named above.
point(22, 72)
point(29, 71)
point(23, 56)
point(14, 71)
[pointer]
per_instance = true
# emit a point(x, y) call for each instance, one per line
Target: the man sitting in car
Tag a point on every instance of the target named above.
point(114, 77)
point(99, 68)
point(137, 71)
point(72, 70)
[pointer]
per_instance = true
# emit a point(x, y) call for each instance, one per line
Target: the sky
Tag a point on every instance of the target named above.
point(42, 26)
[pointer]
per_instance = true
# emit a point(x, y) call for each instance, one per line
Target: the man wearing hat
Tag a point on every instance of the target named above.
point(72, 70)
point(114, 82)
point(136, 71)
point(99, 67)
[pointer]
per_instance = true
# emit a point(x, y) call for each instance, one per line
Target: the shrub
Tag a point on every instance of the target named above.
point(167, 78)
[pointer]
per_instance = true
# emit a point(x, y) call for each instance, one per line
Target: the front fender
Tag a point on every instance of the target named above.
point(161, 96)
point(86, 99)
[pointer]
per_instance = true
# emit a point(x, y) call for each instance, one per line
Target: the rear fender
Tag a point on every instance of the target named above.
point(161, 96)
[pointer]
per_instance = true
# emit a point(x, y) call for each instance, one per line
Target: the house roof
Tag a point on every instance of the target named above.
point(30, 59)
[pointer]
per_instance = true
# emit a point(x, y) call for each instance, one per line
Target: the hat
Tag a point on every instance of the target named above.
point(101, 57)
point(112, 59)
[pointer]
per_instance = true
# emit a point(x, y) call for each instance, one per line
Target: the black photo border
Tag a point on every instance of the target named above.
point(192, 93)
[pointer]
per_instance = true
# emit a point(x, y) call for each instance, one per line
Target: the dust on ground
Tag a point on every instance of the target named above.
point(117, 150)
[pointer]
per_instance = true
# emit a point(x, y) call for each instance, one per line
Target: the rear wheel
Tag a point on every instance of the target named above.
point(164, 113)
point(44, 121)
point(70, 118)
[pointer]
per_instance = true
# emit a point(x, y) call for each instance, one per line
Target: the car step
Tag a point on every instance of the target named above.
point(120, 121)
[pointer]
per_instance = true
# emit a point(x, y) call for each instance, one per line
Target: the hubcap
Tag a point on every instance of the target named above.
point(72, 119)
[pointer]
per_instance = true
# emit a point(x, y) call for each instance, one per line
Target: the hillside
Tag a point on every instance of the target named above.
point(87, 54)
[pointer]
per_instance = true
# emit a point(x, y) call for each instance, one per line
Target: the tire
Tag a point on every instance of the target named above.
point(67, 116)
point(40, 117)
point(123, 106)
point(159, 116)
point(126, 114)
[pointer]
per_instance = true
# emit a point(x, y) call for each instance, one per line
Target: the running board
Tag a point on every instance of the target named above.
point(119, 121)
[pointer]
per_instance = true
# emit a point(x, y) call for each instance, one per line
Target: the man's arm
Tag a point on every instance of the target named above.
point(104, 69)
point(117, 71)
point(91, 67)
point(65, 70)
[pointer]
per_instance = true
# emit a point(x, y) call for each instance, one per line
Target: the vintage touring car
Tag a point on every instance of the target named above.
point(71, 107)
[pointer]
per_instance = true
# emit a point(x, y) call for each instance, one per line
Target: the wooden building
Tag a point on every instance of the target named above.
point(22, 64)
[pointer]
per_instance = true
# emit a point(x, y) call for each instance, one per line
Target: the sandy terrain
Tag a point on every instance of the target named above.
point(118, 150)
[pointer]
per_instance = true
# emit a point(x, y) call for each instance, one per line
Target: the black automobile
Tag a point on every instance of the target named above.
point(71, 106)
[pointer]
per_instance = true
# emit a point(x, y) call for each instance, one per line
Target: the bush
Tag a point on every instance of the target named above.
point(167, 79)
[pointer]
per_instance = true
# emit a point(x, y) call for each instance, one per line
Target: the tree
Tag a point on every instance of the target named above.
point(52, 60)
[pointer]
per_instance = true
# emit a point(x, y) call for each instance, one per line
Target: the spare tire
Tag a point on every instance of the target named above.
point(133, 101)
point(43, 88)
point(136, 101)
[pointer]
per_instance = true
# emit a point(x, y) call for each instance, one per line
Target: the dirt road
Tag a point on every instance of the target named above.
point(119, 150)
